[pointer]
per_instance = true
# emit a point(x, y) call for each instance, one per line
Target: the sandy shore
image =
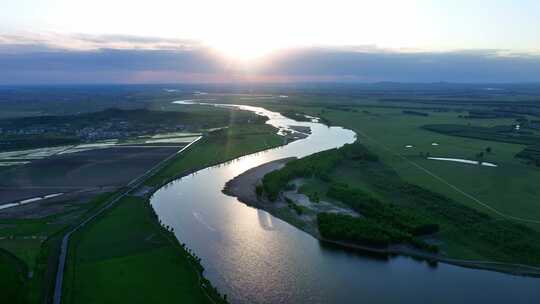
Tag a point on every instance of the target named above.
point(243, 188)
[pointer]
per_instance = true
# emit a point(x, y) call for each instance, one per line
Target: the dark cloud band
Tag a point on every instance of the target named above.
point(142, 60)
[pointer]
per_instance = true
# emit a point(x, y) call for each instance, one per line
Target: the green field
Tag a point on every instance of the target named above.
point(12, 279)
point(122, 252)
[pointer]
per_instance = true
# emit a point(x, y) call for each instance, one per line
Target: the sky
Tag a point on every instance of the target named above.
point(70, 41)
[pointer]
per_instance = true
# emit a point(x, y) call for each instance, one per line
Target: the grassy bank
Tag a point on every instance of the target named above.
point(220, 146)
point(126, 250)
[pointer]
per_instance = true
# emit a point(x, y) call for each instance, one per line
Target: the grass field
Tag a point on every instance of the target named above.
point(125, 256)
point(12, 279)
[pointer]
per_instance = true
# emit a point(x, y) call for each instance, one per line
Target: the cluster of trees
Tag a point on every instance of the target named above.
point(532, 153)
point(365, 231)
point(480, 155)
point(490, 114)
point(297, 208)
point(404, 224)
point(409, 112)
point(295, 115)
point(316, 165)
point(345, 227)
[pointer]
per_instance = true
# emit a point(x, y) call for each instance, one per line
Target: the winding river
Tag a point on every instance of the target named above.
point(254, 257)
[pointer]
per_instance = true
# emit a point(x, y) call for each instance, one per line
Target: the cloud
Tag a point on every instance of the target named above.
point(49, 41)
point(53, 58)
point(409, 66)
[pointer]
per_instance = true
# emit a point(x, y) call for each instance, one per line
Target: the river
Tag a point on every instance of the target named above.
point(254, 257)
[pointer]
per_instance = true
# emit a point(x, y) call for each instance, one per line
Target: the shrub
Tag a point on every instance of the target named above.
point(259, 190)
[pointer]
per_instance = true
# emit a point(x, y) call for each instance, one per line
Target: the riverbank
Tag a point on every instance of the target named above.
point(220, 147)
point(243, 187)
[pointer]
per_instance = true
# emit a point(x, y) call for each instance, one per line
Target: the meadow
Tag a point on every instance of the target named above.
point(124, 249)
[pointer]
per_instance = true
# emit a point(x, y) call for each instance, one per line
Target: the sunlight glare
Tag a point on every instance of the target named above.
point(241, 48)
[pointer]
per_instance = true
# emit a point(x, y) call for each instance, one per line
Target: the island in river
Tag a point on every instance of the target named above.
point(301, 211)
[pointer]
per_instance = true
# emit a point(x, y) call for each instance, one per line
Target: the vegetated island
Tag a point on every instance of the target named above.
point(349, 198)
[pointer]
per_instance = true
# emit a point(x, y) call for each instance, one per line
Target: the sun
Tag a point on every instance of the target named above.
point(245, 49)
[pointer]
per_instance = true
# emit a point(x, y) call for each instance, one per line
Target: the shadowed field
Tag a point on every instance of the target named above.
point(77, 171)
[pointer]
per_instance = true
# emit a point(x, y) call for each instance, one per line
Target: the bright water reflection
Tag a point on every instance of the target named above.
point(256, 258)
